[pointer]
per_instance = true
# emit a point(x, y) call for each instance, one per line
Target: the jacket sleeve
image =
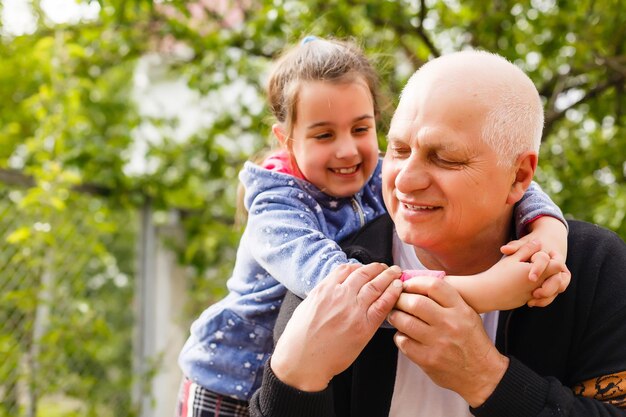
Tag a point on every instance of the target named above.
point(594, 383)
point(276, 399)
point(535, 203)
point(288, 236)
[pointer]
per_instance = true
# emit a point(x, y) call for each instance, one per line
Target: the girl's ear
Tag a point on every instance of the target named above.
point(279, 133)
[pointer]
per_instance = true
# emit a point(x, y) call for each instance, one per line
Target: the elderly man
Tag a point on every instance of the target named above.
point(462, 149)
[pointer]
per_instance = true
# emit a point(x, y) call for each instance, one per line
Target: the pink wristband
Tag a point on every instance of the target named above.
point(410, 273)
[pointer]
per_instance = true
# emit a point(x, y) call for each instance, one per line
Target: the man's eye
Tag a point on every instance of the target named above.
point(399, 152)
point(446, 162)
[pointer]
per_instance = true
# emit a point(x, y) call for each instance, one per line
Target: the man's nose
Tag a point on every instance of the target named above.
point(412, 176)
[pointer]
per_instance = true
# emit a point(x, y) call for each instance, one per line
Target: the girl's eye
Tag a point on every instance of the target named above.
point(323, 136)
point(361, 129)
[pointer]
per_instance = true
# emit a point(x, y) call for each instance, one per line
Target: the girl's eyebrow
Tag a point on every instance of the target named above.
point(325, 123)
point(363, 117)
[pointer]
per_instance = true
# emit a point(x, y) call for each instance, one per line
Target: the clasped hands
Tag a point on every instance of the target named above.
point(437, 329)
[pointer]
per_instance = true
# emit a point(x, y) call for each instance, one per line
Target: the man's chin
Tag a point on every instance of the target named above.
point(407, 233)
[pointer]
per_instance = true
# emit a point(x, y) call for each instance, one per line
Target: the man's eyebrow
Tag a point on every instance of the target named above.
point(326, 123)
point(391, 137)
point(436, 144)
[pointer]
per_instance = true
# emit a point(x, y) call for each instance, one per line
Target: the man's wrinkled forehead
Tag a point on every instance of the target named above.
point(406, 114)
point(405, 132)
point(401, 128)
point(423, 87)
point(406, 118)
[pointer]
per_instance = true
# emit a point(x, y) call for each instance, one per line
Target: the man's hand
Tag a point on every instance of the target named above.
point(444, 336)
point(333, 324)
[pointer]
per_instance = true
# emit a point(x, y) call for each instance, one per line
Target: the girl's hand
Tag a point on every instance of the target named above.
point(542, 270)
point(553, 284)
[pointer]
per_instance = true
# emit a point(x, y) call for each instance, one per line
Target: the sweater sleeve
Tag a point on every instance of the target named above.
point(523, 393)
point(594, 380)
point(277, 399)
point(535, 203)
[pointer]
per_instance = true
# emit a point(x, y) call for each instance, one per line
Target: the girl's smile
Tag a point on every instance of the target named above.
point(333, 141)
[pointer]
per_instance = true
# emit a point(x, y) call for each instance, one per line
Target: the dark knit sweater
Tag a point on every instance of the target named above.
point(561, 356)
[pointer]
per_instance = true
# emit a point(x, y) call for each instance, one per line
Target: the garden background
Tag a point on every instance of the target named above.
point(123, 125)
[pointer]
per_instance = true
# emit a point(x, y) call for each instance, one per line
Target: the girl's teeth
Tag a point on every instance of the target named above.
point(346, 170)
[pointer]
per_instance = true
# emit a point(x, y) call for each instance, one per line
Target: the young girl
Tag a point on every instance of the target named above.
point(323, 185)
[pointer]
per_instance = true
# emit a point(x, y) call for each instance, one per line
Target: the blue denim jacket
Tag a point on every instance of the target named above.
point(289, 242)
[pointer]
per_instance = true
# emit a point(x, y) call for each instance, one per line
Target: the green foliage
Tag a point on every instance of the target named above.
point(65, 329)
point(573, 51)
point(72, 119)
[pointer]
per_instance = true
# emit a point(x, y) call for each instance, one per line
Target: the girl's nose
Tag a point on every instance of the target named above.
point(346, 147)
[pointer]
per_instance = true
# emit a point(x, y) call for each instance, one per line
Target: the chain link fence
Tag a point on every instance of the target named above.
point(67, 279)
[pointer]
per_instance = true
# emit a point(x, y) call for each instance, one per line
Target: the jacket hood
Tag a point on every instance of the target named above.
point(257, 179)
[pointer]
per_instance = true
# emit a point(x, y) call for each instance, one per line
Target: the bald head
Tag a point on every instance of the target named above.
point(501, 95)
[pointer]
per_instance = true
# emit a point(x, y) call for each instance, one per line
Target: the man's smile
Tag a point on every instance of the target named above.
point(413, 207)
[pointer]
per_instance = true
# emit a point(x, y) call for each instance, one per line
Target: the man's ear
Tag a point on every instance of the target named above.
point(279, 133)
point(524, 171)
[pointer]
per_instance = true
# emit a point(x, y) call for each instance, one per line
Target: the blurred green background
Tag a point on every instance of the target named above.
point(128, 116)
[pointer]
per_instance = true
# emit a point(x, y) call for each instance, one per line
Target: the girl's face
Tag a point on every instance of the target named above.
point(334, 136)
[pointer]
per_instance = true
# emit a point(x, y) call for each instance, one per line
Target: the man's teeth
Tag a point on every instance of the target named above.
point(412, 207)
point(350, 170)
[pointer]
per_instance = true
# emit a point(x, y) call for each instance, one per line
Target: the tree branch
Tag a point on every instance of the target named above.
point(17, 178)
point(415, 61)
point(14, 177)
point(422, 34)
point(553, 115)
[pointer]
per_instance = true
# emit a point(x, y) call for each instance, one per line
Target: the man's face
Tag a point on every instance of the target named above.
point(441, 183)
